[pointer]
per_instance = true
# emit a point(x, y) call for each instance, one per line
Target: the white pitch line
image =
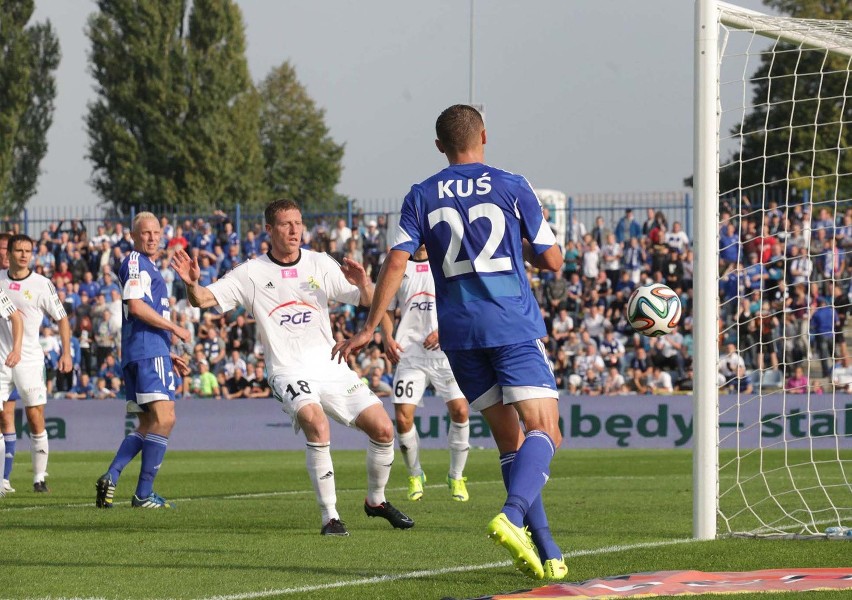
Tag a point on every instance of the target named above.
point(410, 575)
point(4, 509)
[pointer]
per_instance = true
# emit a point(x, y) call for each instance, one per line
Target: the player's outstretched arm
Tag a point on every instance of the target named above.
point(188, 270)
point(14, 357)
point(139, 309)
point(390, 278)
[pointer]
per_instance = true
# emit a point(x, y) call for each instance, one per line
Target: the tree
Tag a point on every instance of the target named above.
point(301, 160)
point(29, 57)
point(781, 145)
point(175, 119)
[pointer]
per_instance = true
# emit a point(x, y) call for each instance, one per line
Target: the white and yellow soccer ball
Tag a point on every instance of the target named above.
point(653, 310)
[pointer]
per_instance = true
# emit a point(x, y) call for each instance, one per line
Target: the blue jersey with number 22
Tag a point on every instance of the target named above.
point(472, 218)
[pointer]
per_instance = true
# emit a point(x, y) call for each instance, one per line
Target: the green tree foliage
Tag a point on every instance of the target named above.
point(175, 119)
point(804, 143)
point(301, 160)
point(29, 57)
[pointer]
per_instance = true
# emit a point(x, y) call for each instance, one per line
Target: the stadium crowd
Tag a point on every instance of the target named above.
point(784, 293)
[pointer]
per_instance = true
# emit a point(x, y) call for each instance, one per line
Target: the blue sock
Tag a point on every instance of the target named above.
point(153, 451)
point(536, 518)
point(129, 448)
point(530, 470)
point(10, 439)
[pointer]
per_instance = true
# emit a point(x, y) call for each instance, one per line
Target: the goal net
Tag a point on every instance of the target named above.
point(774, 123)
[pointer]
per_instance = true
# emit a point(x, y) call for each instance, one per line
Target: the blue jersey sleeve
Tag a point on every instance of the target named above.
point(408, 235)
point(534, 227)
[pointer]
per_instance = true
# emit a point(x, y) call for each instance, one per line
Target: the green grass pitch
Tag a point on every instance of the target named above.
point(247, 526)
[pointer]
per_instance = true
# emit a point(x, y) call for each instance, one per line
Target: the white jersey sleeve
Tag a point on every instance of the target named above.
point(231, 289)
point(7, 308)
point(49, 300)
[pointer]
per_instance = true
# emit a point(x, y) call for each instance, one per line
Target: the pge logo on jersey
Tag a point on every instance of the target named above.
point(295, 314)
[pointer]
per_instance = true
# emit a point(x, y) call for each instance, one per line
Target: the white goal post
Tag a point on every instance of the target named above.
point(762, 159)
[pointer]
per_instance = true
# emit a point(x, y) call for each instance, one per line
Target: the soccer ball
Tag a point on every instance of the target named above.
point(653, 310)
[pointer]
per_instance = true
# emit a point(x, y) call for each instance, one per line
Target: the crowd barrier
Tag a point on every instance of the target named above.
point(586, 422)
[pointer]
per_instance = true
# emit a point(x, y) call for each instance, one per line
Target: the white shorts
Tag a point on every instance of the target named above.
point(414, 374)
point(335, 387)
point(28, 379)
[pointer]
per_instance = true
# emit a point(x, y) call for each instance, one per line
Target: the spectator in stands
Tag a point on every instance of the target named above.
point(668, 353)
point(591, 259)
point(83, 390)
point(556, 293)
point(236, 386)
point(823, 322)
point(673, 270)
point(798, 383)
point(341, 233)
point(611, 255)
point(571, 260)
point(595, 323)
point(234, 361)
point(742, 383)
point(214, 348)
point(611, 350)
point(374, 245)
point(102, 391)
point(660, 381)
point(259, 385)
point(729, 245)
point(635, 260)
point(62, 276)
point(590, 359)
point(377, 384)
point(205, 384)
point(577, 230)
point(614, 383)
point(676, 238)
point(627, 228)
point(560, 328)
point(600, 231)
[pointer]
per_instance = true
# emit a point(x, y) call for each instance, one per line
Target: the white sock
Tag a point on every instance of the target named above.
point(39, 451)
point(379, 461)
point(321, 471)
point(409, 445)
point(458, 440)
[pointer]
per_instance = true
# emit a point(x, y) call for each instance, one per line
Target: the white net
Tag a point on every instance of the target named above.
point(785, 192)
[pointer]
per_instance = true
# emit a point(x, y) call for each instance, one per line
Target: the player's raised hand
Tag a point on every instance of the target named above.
point(185, 266)
point(12, 359)
point(355, 273)
point(346, 347)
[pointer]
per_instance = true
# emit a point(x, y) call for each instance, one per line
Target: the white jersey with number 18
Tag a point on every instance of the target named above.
point(289, 302)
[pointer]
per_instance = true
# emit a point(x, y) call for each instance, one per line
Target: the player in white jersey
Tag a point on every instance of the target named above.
point(7, 409)
point(416, 349)
point(288, 290)
point(34, 296)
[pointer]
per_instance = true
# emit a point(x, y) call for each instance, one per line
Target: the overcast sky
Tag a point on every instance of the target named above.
point(580, 95)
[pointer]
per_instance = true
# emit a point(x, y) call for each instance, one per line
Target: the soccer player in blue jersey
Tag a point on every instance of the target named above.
point(479, 225)
point(148, 366)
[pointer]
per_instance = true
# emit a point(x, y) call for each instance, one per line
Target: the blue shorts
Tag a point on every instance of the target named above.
point(150, 380)
point(504, 374)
